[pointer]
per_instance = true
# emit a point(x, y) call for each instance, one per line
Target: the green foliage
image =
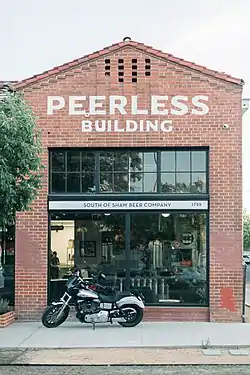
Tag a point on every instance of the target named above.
point(246, 231)
point(20, 162)
point(4, 306)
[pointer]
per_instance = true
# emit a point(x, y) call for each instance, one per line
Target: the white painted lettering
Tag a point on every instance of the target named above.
point(196, 102)
point(134, 107)
point(165, 128)
point(152, 126)
point(100, 125)
point(131, 126)
point(183, 108)
point(95, 107)
point(54, 103)
point(73, 105)
point(156, 107)
point(120, 106)
point(109, 127)
point(141, 126)
point(116, 127)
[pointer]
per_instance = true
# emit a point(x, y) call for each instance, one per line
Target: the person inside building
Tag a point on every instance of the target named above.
point(54, 265)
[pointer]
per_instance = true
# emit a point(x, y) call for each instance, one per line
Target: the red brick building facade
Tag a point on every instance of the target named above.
point(205, 116)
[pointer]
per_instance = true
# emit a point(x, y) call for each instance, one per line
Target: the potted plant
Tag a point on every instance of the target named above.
point(7, 315)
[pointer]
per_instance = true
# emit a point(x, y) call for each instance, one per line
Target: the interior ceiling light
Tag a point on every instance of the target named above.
point(165, 215)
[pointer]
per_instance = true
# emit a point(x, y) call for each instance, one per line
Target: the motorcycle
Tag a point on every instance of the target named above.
point(95, 303)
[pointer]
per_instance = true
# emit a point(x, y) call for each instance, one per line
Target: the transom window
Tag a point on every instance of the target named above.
point(123, 171)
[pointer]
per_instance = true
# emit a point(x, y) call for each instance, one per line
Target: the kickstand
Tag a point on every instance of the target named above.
point(93, 325)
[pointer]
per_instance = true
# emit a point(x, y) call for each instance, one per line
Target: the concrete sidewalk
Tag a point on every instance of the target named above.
point(146, 335)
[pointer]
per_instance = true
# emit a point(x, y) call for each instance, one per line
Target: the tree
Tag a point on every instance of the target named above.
point(246, 231)
point(20, 161)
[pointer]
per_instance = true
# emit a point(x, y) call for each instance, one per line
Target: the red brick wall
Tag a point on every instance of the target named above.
point(61, 130)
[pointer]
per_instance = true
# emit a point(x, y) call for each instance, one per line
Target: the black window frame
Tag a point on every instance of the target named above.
point(159, 171)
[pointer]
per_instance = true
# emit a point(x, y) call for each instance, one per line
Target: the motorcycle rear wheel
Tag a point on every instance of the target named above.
point(52, 310)
point(135, 319)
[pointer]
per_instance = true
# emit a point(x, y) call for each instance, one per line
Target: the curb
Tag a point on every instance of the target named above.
point(174, 365)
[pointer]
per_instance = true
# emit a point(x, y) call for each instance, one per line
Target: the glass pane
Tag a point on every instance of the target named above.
point(73, 183)
point(168, 161)
point(100, 243)
point(150, 162)
point(168, 258)
point(88, 162)
point(58, 161)
point(88, 183)
point(183, 161)
point(167, 182)
point(117, 182)
point(58, 183)
point(198, 183)
point(183, 182)
point(136, 181)
point(135, 161)
point(121, 161)
point(199, 161)
point(61, 257)
point(106, 182)
point(150, 182)
point(73, 161)
point(7, 264)
point(121, 182)
point(106, 161)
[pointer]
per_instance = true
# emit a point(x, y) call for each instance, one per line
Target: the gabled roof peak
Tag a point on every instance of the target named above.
point(127, 41)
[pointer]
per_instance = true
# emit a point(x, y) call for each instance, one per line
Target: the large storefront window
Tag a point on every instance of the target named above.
point(121, 171)
point(7, 264)
point(169, 257)
point(162, 254)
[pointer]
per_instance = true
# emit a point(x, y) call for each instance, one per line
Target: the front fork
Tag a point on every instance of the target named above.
point(64, 301)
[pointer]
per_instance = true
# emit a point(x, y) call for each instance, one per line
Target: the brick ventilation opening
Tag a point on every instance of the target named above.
point(107, 67)
point(147, 68)
point(120, 70)
point(134, 70)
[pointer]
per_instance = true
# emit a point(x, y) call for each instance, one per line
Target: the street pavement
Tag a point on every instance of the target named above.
point(121, 370)
point(124, 357)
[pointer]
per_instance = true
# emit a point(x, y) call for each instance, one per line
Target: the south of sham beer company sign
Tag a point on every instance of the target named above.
point(160, 106)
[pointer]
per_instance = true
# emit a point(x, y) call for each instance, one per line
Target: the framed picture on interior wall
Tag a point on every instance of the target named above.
point(88, 249)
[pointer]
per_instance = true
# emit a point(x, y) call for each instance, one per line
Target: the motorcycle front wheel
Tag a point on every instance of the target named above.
point(133, 315)
point(51, 318)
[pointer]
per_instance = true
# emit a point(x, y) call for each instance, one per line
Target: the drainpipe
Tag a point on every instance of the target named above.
point(244, 292)
point(245, 105)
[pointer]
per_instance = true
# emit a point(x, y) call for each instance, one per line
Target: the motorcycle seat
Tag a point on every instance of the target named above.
point(113, 297)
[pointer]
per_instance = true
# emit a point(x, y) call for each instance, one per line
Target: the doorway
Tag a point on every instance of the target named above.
point(94, 243)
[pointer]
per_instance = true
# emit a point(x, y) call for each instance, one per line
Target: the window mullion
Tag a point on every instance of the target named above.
point(158, 171)
point(81, 174)
point(97, 171)
point(129, 176)
point(175, 172)
point(66, 171)
point(50, 172)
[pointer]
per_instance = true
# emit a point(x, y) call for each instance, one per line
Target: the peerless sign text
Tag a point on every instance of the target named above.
point(179, 105)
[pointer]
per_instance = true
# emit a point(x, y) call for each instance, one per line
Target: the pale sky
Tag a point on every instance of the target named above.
point(37, 35)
